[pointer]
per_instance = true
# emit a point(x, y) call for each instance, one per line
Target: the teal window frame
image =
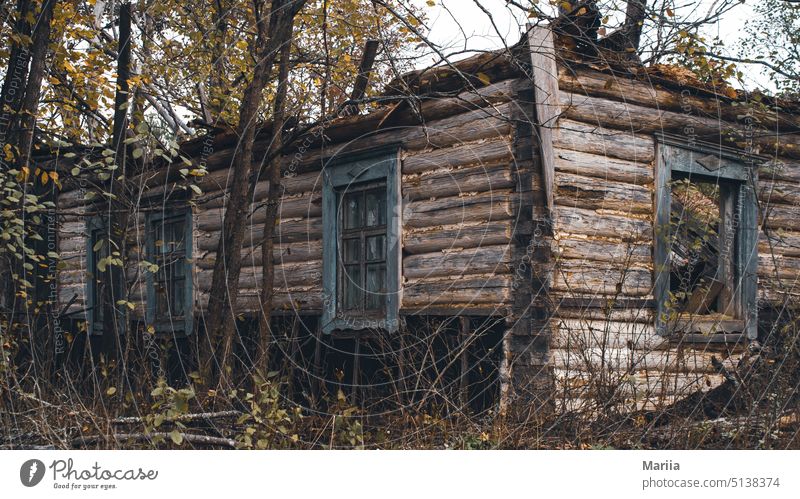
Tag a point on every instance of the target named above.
point(170, 324)
point(381, 167)
point(714, 163)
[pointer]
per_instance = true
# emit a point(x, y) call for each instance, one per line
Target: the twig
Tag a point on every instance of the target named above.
point(182, 417)
point(187, 437)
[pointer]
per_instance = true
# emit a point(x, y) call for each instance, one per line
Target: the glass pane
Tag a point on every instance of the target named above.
point(376, 278)
point(351, 249)
point(376, 248)
point(176, 235)
point(352, 292)
point(351, 209)
point(161, 300)
point(176, 306)
point(376, 207)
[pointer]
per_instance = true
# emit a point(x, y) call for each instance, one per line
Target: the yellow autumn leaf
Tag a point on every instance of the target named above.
point(484, 78)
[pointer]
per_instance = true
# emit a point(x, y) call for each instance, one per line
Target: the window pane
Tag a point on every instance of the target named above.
point(351, 249)
point(176, 305)
point(376, 207)
point(376, 278)
point(376, 248)
point(351, 209)
point(352, 291)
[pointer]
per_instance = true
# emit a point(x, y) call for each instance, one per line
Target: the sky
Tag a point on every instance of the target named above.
point(456, 24)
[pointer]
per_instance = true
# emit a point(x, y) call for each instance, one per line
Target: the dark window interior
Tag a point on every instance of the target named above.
point(100, 250)
point(362, 249)
point(702, 246)
point(169, 281)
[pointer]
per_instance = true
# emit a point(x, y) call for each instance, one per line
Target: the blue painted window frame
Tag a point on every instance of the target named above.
point(373, 166)
point(168, 325)
point(674, 154)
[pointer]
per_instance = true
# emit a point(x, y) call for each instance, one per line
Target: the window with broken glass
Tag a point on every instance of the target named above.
point(706, 235)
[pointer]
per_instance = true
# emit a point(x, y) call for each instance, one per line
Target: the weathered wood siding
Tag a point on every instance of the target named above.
point(603, 229)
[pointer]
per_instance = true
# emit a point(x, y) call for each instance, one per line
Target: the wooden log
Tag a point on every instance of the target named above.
point(582, 334)
point(546, 95)
point(569, 220)
point(482, 152)
point(287, 275)
point(483, 260)
point(606, 142)
point(295, 300)
point(780, 242)
point(484, 207)
point(595, 278)
point(592, 193)
point(603, 167)
point(640, 119)
point(431, 239)
point(772, 266)
point(778, 192)
point(216, 182)
point(485, 290)
point(294, 207)
point(625, 359)
point(288, 231)
point(283, 253)
point(638, 315)
point(444, 183)
point(650, 94)
point(604, 250)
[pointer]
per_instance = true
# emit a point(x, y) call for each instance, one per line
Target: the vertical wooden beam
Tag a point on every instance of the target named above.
point(726, 273)
point(465, 330)
point(356, 368)
point(661, 235)
point(544, 73)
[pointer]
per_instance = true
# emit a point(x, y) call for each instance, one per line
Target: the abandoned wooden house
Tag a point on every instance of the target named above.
point(576, 218)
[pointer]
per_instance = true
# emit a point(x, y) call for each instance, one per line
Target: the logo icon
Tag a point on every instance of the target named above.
point(31, 472)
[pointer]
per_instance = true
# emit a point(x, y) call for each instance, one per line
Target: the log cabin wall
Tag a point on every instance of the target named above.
point(604, 344)
point(567, 262)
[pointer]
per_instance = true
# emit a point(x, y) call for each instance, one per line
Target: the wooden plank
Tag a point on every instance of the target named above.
point(603, 250)
point(545, 81)
point(597, 279)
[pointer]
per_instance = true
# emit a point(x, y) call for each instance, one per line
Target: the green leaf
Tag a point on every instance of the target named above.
point(111, 391)
point(196, 189)
point(137, 153)
point(176, 437)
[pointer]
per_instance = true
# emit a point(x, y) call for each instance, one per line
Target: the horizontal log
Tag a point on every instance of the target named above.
point(282, 253)
point(569, 220)
point(772, 192)
point(287, 231)
point(488, 290)
point(484, 207)
point(639, 315)
point(294, 207)
point(603, 250)
point(779, 242)
point(650, 94)
point(772, 266)
point(625, 359)
point(592, 193)
point(452, 182)
point(482, 152)
point(582, 334)
point(483, 260)
point(427, 240)
point(594, 278)
point(217, 182)
point(287, 275)
point(601, 141)
point(300, 301)
point(603, 167)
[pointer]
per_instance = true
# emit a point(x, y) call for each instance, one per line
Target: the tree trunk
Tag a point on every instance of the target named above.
point(274, 196)
point(274, 30)
point(113, 320)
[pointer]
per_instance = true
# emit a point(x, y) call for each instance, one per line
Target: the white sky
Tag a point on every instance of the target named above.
point(451, 23)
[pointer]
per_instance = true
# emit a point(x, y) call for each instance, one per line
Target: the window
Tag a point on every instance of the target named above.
point(705, 240)
point(169, 287)
point(361, 243)
point(97, 252)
